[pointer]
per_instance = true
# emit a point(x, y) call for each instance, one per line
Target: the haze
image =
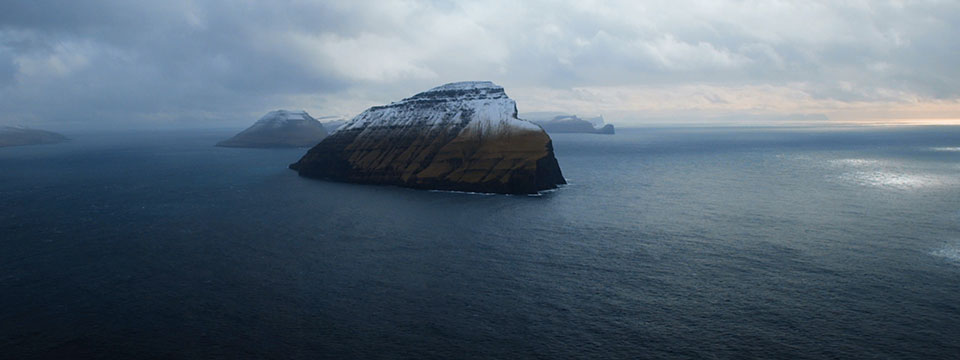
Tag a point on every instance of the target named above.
point(163, 64)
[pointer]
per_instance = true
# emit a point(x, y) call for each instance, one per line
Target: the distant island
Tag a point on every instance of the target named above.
point(17, 136)
point(333, 123)
point(460, 136)
point(555, 122)
point(280, 128)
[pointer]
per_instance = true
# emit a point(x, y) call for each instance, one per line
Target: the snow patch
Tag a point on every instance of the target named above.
point(466, 85)
point(282, 118)
point(482, 103)
point(285, 115)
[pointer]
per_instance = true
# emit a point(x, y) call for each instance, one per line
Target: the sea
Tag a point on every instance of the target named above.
point(668, 243)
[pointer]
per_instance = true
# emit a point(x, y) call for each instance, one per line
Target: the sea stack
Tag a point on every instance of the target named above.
point(280, 128)
point(461, 136)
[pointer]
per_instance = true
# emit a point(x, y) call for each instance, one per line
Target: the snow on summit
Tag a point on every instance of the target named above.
point(466, 85)
point(285, 115)
point(485, 104)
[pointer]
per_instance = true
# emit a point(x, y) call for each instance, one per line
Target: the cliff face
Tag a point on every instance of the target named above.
point(17, 136)
point(460, 136)
point(280, 128)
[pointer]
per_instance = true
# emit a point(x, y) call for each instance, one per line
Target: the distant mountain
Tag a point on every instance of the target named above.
point(555, 122)
point(461, 136)
point(333, 123)
point(280, 128)
point(16, 136)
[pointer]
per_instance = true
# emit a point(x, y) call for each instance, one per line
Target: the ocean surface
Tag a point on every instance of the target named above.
point(669, 243)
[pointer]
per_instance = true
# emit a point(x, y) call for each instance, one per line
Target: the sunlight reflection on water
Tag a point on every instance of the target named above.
point(886, 174)
point(902, 181)
point(949, 252)
point(955, 148)
point(854, 162)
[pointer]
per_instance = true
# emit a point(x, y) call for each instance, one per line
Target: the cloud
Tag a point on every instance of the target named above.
point(222, 63)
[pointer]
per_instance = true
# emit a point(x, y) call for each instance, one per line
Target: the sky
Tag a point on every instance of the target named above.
point(180, 63)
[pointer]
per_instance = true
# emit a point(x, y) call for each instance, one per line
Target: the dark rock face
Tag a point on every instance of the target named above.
point(280, 128)
point(460, 136)
point(17, 136)
point(573, 124)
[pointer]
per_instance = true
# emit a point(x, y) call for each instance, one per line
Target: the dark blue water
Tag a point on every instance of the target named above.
point(669, 243)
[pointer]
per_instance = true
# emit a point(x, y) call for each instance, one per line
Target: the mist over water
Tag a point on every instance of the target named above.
point(668, 243)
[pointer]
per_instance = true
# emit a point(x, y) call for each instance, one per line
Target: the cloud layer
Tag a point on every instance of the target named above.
point(222, 63)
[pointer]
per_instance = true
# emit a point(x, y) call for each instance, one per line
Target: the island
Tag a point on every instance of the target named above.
point(280, 128)
point(553, 122)
point(18, 136)
point(462, 136)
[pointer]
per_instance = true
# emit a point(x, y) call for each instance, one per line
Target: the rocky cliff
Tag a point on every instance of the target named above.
point(460, 136)
point(280, 128)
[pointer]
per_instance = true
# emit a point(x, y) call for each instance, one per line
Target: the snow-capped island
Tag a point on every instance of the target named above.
point(280, 128)
point(461, 136)
point(17, 136)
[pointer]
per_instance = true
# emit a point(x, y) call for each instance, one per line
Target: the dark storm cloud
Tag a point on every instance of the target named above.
point(220, 62)
point(124, 60)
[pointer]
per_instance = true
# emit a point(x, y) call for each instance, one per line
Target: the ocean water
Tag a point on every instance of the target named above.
point(673, 243)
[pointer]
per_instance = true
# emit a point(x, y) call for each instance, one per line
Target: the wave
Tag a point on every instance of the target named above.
point(465, 192)
point(539, 193)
